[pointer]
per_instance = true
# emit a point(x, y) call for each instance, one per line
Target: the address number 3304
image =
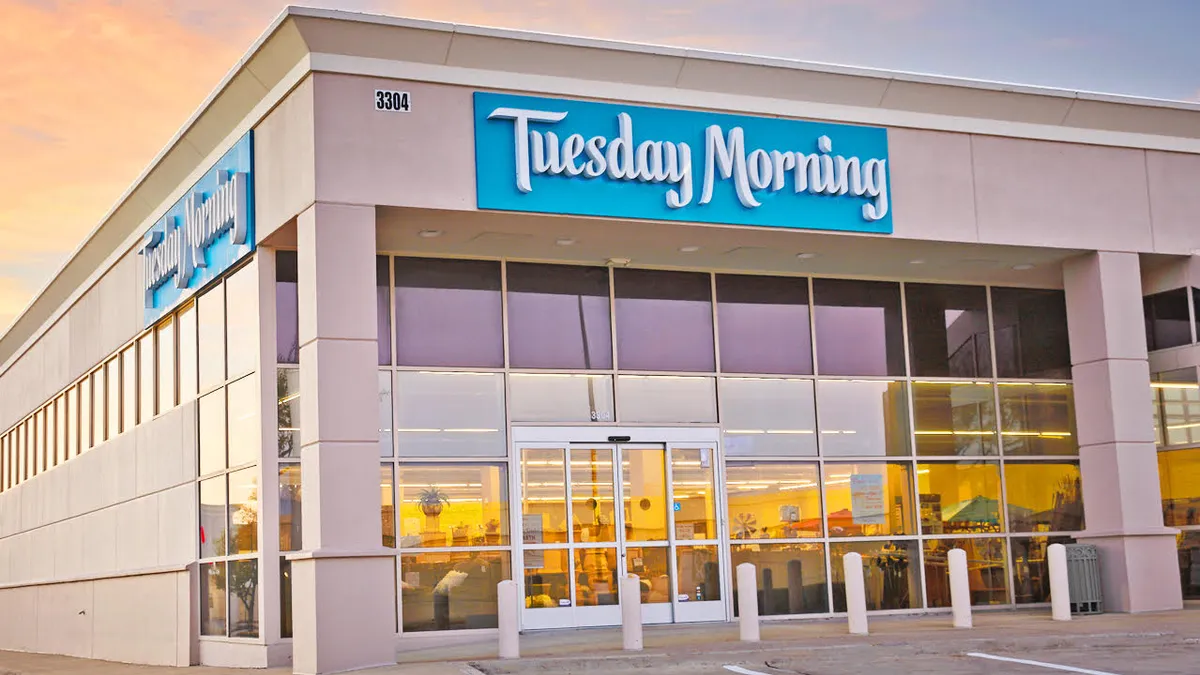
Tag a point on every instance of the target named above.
point(393, 101)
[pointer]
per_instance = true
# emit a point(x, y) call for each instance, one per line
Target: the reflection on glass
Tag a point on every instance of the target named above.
point(285, 598)
point(959, 497)
point(291, 517)
point(453, 505)
point(383, 305)
point(954, 418)
point(213, 541)
point(1037, 419)
point(384, 406)
point(699, 574)
point(644, 491)
point(791, 577)
point(210, 324)
point(448, 313)
point(593, 511)
point(651, 565)
point(868, 499)
point(1044, 497)
point(242, 412)
point(241, 311)
point(211, 421)
point(986, 571)
point(862, 418)
point(451, 591)
point(667, 399)
point(891, 572)
point(558, 317)
point(243, 598)
point(287, 390)
point(212, 599)
point(768, 416)
point(693, 493)
point(287, 310)
point(98, 416)
point(243, 511)
point(1176, 406)
point(859, 328)
point(166, 365)
point(112, 376)
point(773, 500)
point(547, 578)
point(1031, 333)
point(1189, 563)
point(450, 414)
point(387, 501)
point(72, 448)
point(129, 389)
point(560, 397)
point(664, 320)
point(146, 382)
point(1168, 319)
point(596, 577)
point(543, 496)
point(1030, 572)
point(745, 304)
point(948, 330)
point(1179, 473)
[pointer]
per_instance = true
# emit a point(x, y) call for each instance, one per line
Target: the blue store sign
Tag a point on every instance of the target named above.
point(202, 235)
point(599, 159)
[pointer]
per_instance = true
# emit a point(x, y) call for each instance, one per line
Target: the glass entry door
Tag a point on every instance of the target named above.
point(592, 513)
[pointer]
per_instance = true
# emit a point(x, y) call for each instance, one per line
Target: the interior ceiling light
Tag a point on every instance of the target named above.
point(565, 241)
point(1022, 267)
point(918, 261)
point(688, 249)
point(430, 234)
point(806, 256)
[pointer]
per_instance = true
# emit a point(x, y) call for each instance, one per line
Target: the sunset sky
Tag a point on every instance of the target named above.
point(91, 90)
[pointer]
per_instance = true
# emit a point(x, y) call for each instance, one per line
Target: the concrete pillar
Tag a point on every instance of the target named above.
point(342, 583)
point(1121, 492)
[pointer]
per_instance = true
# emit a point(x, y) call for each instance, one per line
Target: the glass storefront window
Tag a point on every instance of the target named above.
point(948, 330)
point(146, 380)
point(112, 378)
point(210, 327)
point(450, 414)
point(383, 307)
point(651, 565)
point(644, 476)
point(664, 320)
point(954, 418)
point(213, 534)
point(241, 321)
point(1168, 319)
point(99, 414)
point(1043, 497)
point(862, 418)
point(1030, 571)
point(72, 447)
point(547, 578)
point(560, 397)
point(385, 413)
point(593, 505)
point(451, 591)
point(287, 308)
point(287, 391)
point(165, 341)
point(543, 496)
point(387, 500)
point(243, 598)
point(596, 577)
point(868, 499)
point(694, 494)
point(129, 388)
point(859, 327)
point(558, 317)
point(212, 599)
point(1179, 474)
point(448, 313)
point(959, 497)
point(60, 427)
point(1176, 406)
point(1031, 333)
point(667, 399)
point(791, 577)
point(987, 573)
point(773, 500)
point(243, 511)
point(1189, 563)
point(453, 505)
point(745, 304)
point(189, 368)
point(768, 416)
point(211, 423)
point(242, 413)
point(891, 570)
point(1037, 419)
point(291, 518)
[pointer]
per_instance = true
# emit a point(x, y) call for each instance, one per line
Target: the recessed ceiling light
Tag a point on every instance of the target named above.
point(806, 256)
point(688, 249)
point(430, 234)
point(566, 241)
point(1022, 267)
point(918, 261)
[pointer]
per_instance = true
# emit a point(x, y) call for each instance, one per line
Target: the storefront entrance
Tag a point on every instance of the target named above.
point(592, 511)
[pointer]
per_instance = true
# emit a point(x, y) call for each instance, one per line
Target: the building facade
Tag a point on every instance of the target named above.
point(408, 309)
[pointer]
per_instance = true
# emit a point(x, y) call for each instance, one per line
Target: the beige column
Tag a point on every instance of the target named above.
point(1121, 493)
point(342, 583)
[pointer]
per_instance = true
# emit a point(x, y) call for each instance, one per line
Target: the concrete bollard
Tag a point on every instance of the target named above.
point(856, 593)
point(960, 588)
point(631, 612)
point(747, 584)
point(509, 618)
point(1060, 591)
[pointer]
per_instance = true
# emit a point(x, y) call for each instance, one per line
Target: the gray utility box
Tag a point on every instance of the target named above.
point(1083, 578)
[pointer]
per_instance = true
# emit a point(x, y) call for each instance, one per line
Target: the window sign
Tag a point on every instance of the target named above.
point(202, 235)
point(614, 160)
point(866, 499)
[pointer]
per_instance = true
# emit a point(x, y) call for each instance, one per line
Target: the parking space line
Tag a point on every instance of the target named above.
point(1040, 664)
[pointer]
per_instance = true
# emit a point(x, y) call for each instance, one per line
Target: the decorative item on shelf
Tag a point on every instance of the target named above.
point(744, 526)
point(432, 500)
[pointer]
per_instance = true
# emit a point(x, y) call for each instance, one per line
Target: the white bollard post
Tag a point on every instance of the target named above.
point(508, 614)
point(1060, 591)
point(960, 588)
point(631, 612)
point(747, 584)
point(856, 593)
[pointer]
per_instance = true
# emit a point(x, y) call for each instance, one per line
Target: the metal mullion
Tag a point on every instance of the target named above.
point(612, 330)
point(812, 326)
point(1191, 312)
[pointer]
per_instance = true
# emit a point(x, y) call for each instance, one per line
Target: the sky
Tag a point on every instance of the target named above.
point(91, 90)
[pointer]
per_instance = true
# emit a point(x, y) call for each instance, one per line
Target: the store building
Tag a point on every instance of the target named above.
point(507, 305)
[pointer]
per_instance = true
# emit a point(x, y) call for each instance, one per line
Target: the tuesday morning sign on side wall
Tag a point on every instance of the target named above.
point(600, 159)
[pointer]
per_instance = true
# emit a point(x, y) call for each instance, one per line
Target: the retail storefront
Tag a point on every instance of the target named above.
point(421, 308)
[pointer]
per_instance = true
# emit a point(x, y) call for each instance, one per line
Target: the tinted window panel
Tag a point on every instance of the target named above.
point(558, 317)
point(1031, 333)
point(287, 316)
point(859, 330)
point(1168, 321)
point(448, 313)
point(664, 321)
point(745, 306)
point(948, 330)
